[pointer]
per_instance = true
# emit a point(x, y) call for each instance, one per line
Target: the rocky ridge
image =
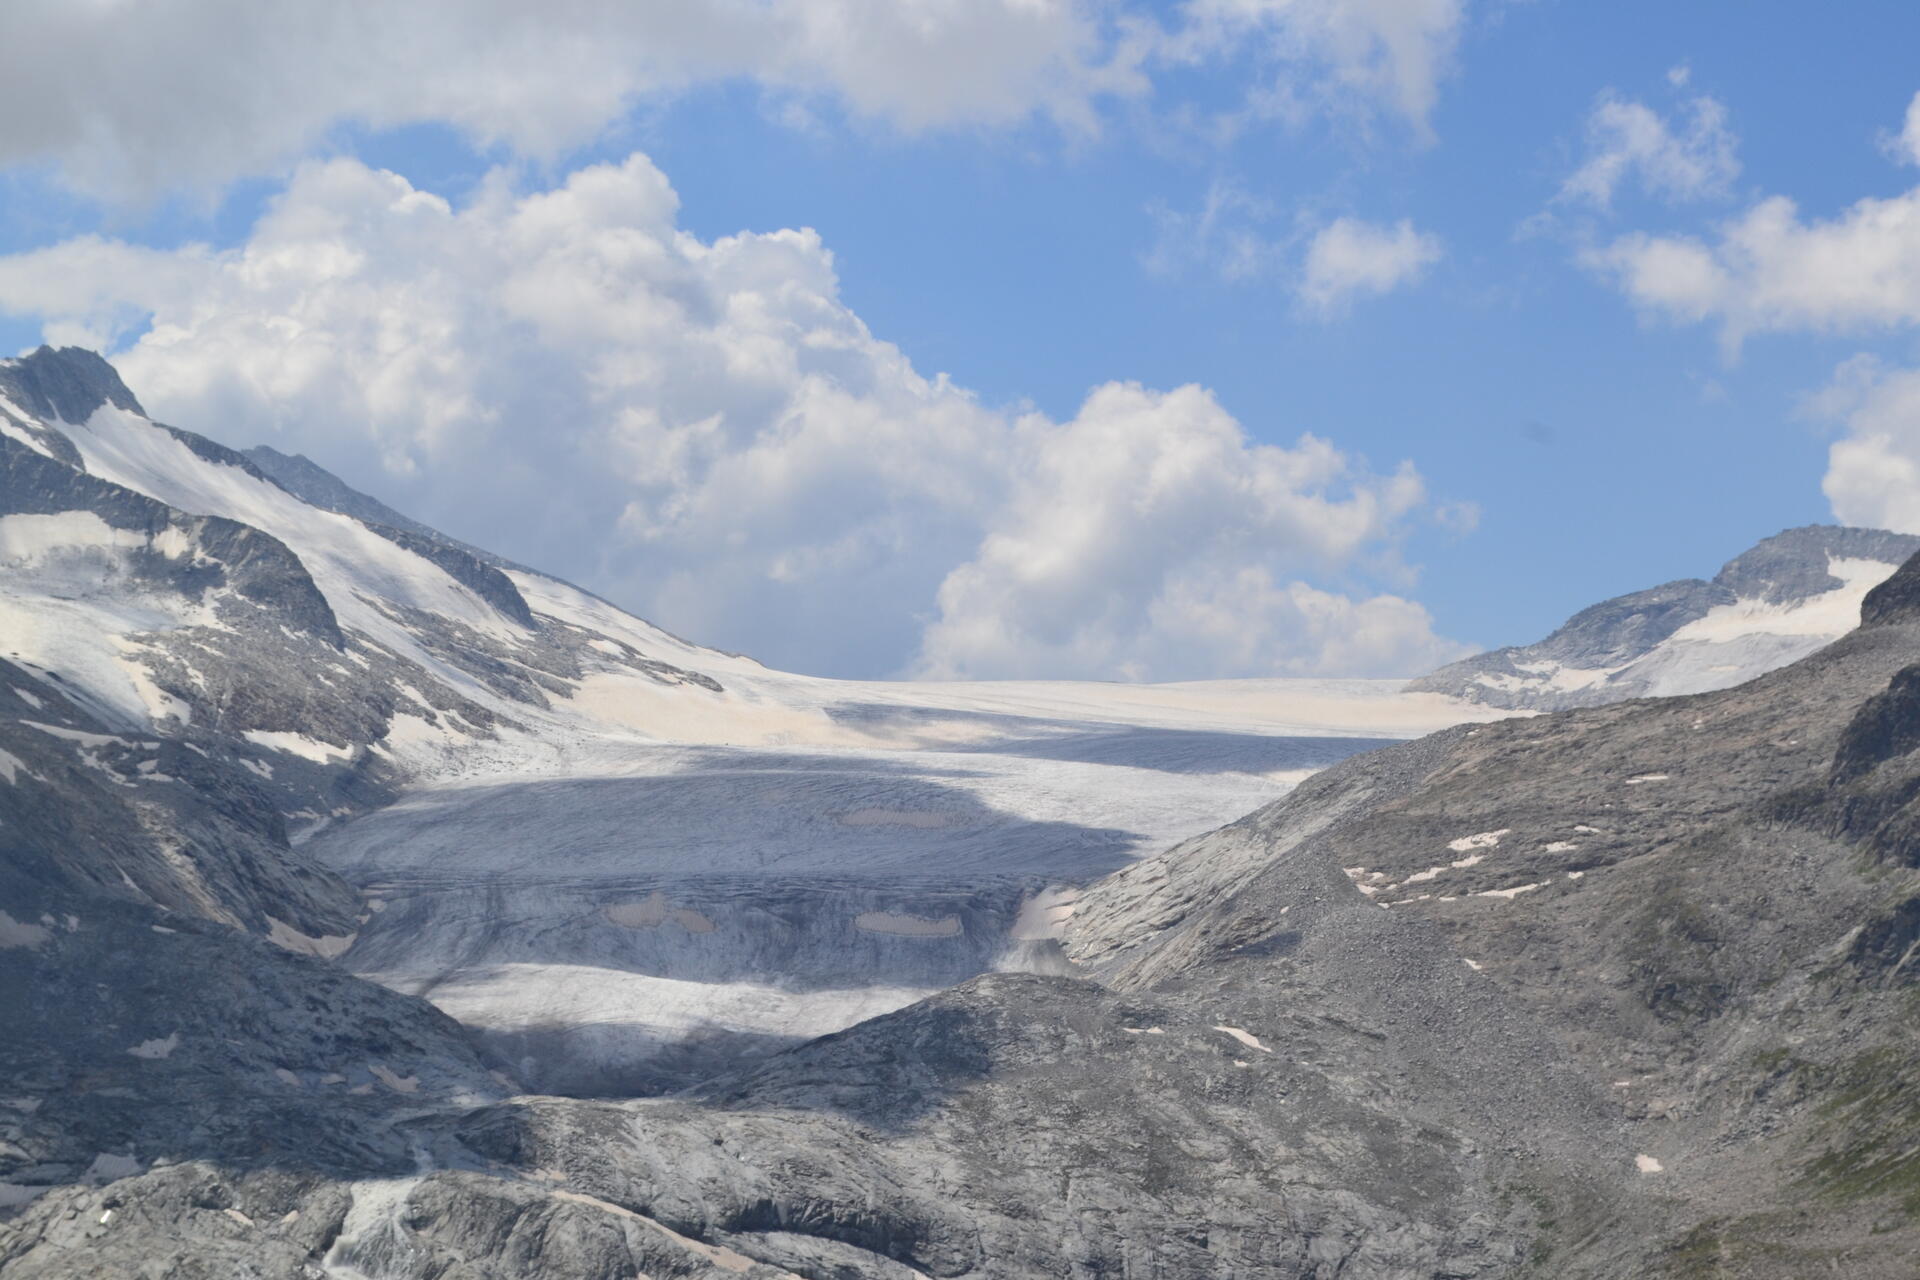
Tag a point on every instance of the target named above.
point(1771, 605)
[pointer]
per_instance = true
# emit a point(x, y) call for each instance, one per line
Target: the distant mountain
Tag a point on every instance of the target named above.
point(1772, 605)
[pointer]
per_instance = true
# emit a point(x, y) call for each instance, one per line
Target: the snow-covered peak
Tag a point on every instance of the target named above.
point(1787, 596)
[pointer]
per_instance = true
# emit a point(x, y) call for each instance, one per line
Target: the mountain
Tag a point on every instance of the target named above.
point(691, 968)
point(1773, 604)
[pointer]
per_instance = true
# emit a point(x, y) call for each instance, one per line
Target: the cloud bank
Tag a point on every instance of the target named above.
point(193, 94)
point(706, 433)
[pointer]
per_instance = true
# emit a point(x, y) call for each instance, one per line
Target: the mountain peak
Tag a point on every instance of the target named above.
point(1794, 563)
point(65, 384)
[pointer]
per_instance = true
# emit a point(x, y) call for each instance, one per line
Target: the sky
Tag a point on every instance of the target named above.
point(1011, 338)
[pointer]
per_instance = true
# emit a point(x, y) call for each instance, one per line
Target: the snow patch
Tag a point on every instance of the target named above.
point(327, 947)
point(18, 933)
point(1647, 1164)
point(397, 1083)
point(156, 1049)
point(1245, 1037)
point(28, 538)
point(1832, 613)
point(1510, 894)
point(297, 744)
point(1485, 840)
point(80, 736)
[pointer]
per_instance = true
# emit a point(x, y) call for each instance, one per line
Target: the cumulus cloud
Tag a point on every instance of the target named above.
point(705, 432)
point(1770, 270)
point(128, 100)
point(1691, 159)
point(1873, 469)
point(1349, 259)
point(1149, 538)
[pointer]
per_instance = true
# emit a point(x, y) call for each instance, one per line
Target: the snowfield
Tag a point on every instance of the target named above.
point(617, 908)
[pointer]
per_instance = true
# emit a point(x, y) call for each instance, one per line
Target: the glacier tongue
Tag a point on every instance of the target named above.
point(619, 855)
point(649, 910)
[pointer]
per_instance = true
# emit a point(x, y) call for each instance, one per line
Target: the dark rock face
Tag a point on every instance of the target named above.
point(67, 384)
point(1886, 727)
point(1895, 600)
point(1621, 648)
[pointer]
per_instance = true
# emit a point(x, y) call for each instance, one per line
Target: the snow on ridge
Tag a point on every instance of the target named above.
point(351, 564)
point(1830, 614)
point(297, 744)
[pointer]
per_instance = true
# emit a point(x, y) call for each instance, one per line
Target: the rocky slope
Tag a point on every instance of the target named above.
point(1780, 600)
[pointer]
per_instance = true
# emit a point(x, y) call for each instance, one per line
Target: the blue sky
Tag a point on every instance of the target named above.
point(1610, 420)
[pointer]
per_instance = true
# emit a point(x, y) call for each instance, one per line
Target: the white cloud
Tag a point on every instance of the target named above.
point(1905, 145)
point(705, 432)
point(128, 100)
point(1691, 160)
point(1353, 54)
point(133, 99)
point(1223, 237)
point(1768, 270)
point(1148, 538)
point(1873, 470)
point(1349, 258)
